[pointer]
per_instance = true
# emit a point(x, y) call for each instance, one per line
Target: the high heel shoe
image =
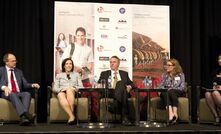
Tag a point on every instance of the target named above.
point(173, 120)
point(73, 122)
point(217, 120)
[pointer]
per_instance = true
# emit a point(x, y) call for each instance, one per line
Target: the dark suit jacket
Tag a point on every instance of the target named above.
point(123, 74)
point(21, 81)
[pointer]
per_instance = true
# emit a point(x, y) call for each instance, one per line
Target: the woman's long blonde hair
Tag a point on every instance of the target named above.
point(177, 68)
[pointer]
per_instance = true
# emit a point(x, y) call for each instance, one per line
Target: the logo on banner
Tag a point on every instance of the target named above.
point(101, 19)
point(104, 27)
point(121, 28)
point(122, 48)
point(100, 48)
point(122, 37)
point(123, 59)
point(103, 58)
point(122, 10)
point(122, 22)
point(104, 36)
point(100, 9)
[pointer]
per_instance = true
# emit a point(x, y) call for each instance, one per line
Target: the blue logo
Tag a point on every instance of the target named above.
point(122, 10)
point(122, 49)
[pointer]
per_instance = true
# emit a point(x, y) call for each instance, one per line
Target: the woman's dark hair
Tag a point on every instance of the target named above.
point(59, 40)
point(63, 64)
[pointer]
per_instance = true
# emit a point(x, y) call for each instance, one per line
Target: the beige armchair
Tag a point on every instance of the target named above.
point(106, 115)
point(203, 112)
point(8, 113)
point(57, 114)
point(157, 113)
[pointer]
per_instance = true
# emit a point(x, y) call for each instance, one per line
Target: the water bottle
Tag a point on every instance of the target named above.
point(150, 81)
point(95, 81)
point(109, 81)
point(146, 82)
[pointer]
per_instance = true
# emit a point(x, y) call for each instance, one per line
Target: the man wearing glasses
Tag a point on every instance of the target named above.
point(12, 87)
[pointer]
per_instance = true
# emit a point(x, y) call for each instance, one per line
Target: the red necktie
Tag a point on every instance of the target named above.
point(13, 82)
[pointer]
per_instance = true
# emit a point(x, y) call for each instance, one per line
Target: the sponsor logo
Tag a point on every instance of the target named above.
point(101, 19)
point(121, 28)
point(100, 48)
point(122, 21)
point(100, 9)
point(104, 36)
point(122, 37)
point(122, 48)
point(123, 59)
point(122, 10)
point(103, 58)
point(104, 27)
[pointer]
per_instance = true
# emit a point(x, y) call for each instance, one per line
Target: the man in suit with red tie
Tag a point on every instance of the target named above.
point(122, 85)
point(13, 85)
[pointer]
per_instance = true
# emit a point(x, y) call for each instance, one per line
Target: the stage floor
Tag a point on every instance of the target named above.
point(117, 128)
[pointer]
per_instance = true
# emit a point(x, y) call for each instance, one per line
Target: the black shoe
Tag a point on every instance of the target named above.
point(114, 108)
point(74, 122)
point(173, 120)
point(24, 121)
point(111, 108)
point(217, 121)
point(31, 117)
point(126, 121)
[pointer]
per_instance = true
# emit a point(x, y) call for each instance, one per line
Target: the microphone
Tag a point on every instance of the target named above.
point(68, 76)
point(215, 84)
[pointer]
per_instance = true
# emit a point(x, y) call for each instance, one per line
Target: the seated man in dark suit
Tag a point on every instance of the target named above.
point(13, 85)
point(122, 85)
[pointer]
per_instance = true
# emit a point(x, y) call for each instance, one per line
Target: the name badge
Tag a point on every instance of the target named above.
point(177, 78)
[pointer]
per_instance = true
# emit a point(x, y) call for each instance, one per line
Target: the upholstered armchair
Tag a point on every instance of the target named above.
point(203, 112)
point(157, 112)
point(57, 114)
point(106, 115)
point(8, 113)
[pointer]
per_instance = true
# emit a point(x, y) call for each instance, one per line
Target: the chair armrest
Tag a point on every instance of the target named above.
point(49, 94)
point(189, 92)
point(36, 104)
point(199, 90)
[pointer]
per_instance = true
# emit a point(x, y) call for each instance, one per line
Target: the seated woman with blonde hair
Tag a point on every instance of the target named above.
point(173, 80)
point(66, 84)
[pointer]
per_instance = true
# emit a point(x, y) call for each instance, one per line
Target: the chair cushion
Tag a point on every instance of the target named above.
point(58, 114)
point(8, 112)
point(205, 115)
point(112, 117)
point(158, 113)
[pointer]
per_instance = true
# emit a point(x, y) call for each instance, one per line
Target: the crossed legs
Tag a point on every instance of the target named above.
point(213, 100)
point(66, 100)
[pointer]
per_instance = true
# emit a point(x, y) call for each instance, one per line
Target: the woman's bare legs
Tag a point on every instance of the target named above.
point(174, 109)
point(211, 103)
point(217, 100)
point(170, 112)
point(67, 104)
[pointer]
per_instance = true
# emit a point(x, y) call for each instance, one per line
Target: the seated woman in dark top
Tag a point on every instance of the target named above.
point(213, 99)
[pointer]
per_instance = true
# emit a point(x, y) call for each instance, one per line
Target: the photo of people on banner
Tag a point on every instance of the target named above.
point(79, 49)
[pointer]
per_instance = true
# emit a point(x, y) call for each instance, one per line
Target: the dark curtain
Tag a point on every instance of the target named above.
point(26, 29)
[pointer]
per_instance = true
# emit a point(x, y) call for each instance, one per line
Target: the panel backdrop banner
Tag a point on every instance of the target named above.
point(137, 34)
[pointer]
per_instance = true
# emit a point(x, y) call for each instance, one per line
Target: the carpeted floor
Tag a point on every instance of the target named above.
point(117, 128)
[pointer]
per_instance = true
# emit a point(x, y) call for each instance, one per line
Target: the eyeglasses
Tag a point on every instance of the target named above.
point(169, 65)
